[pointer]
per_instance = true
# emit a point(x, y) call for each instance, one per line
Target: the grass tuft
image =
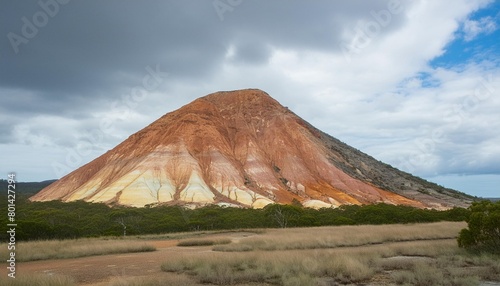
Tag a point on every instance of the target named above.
point(203, 242)
point(38, 280)
point(176, 280)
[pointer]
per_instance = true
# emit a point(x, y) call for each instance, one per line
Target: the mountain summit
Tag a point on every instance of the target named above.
point(241, 148)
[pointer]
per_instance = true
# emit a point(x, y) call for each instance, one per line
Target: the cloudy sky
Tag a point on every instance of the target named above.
point(415, 84)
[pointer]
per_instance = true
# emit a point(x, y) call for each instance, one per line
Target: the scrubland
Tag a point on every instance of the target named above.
point(417, 254)
point(404, 254)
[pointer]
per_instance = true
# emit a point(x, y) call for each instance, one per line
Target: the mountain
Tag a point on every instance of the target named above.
point(242, 148)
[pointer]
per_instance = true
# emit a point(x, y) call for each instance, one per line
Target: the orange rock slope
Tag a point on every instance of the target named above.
point(241, 148)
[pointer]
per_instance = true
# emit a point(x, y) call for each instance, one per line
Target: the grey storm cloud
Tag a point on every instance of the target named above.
point(87, 51)
point(87, 44)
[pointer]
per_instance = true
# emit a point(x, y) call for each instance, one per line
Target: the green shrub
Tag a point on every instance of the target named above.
point(483, 232)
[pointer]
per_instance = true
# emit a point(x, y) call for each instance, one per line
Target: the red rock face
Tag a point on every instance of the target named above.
point(239, 148)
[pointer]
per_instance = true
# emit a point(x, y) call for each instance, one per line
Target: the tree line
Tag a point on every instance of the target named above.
point(59, 220)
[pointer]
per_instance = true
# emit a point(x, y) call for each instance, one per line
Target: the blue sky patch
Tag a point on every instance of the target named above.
point(470, 47)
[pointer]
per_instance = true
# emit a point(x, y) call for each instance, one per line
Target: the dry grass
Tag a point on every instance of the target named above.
point(424, 274)
point(174, 280)
point(38, 280)
point(57, 249)
point(421, 254)
point(265, 267)
point(197, 234)
point(234, 247)
point(348, 236)
point(401, 262)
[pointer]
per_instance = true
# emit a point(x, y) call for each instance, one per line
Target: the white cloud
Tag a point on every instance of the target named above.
point(378, 102)
point(473, 28)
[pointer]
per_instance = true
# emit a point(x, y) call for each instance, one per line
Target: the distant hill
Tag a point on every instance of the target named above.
point(242, 148)
point(30, 188)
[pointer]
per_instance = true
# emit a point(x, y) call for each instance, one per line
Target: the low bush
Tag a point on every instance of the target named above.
point(203, 242)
